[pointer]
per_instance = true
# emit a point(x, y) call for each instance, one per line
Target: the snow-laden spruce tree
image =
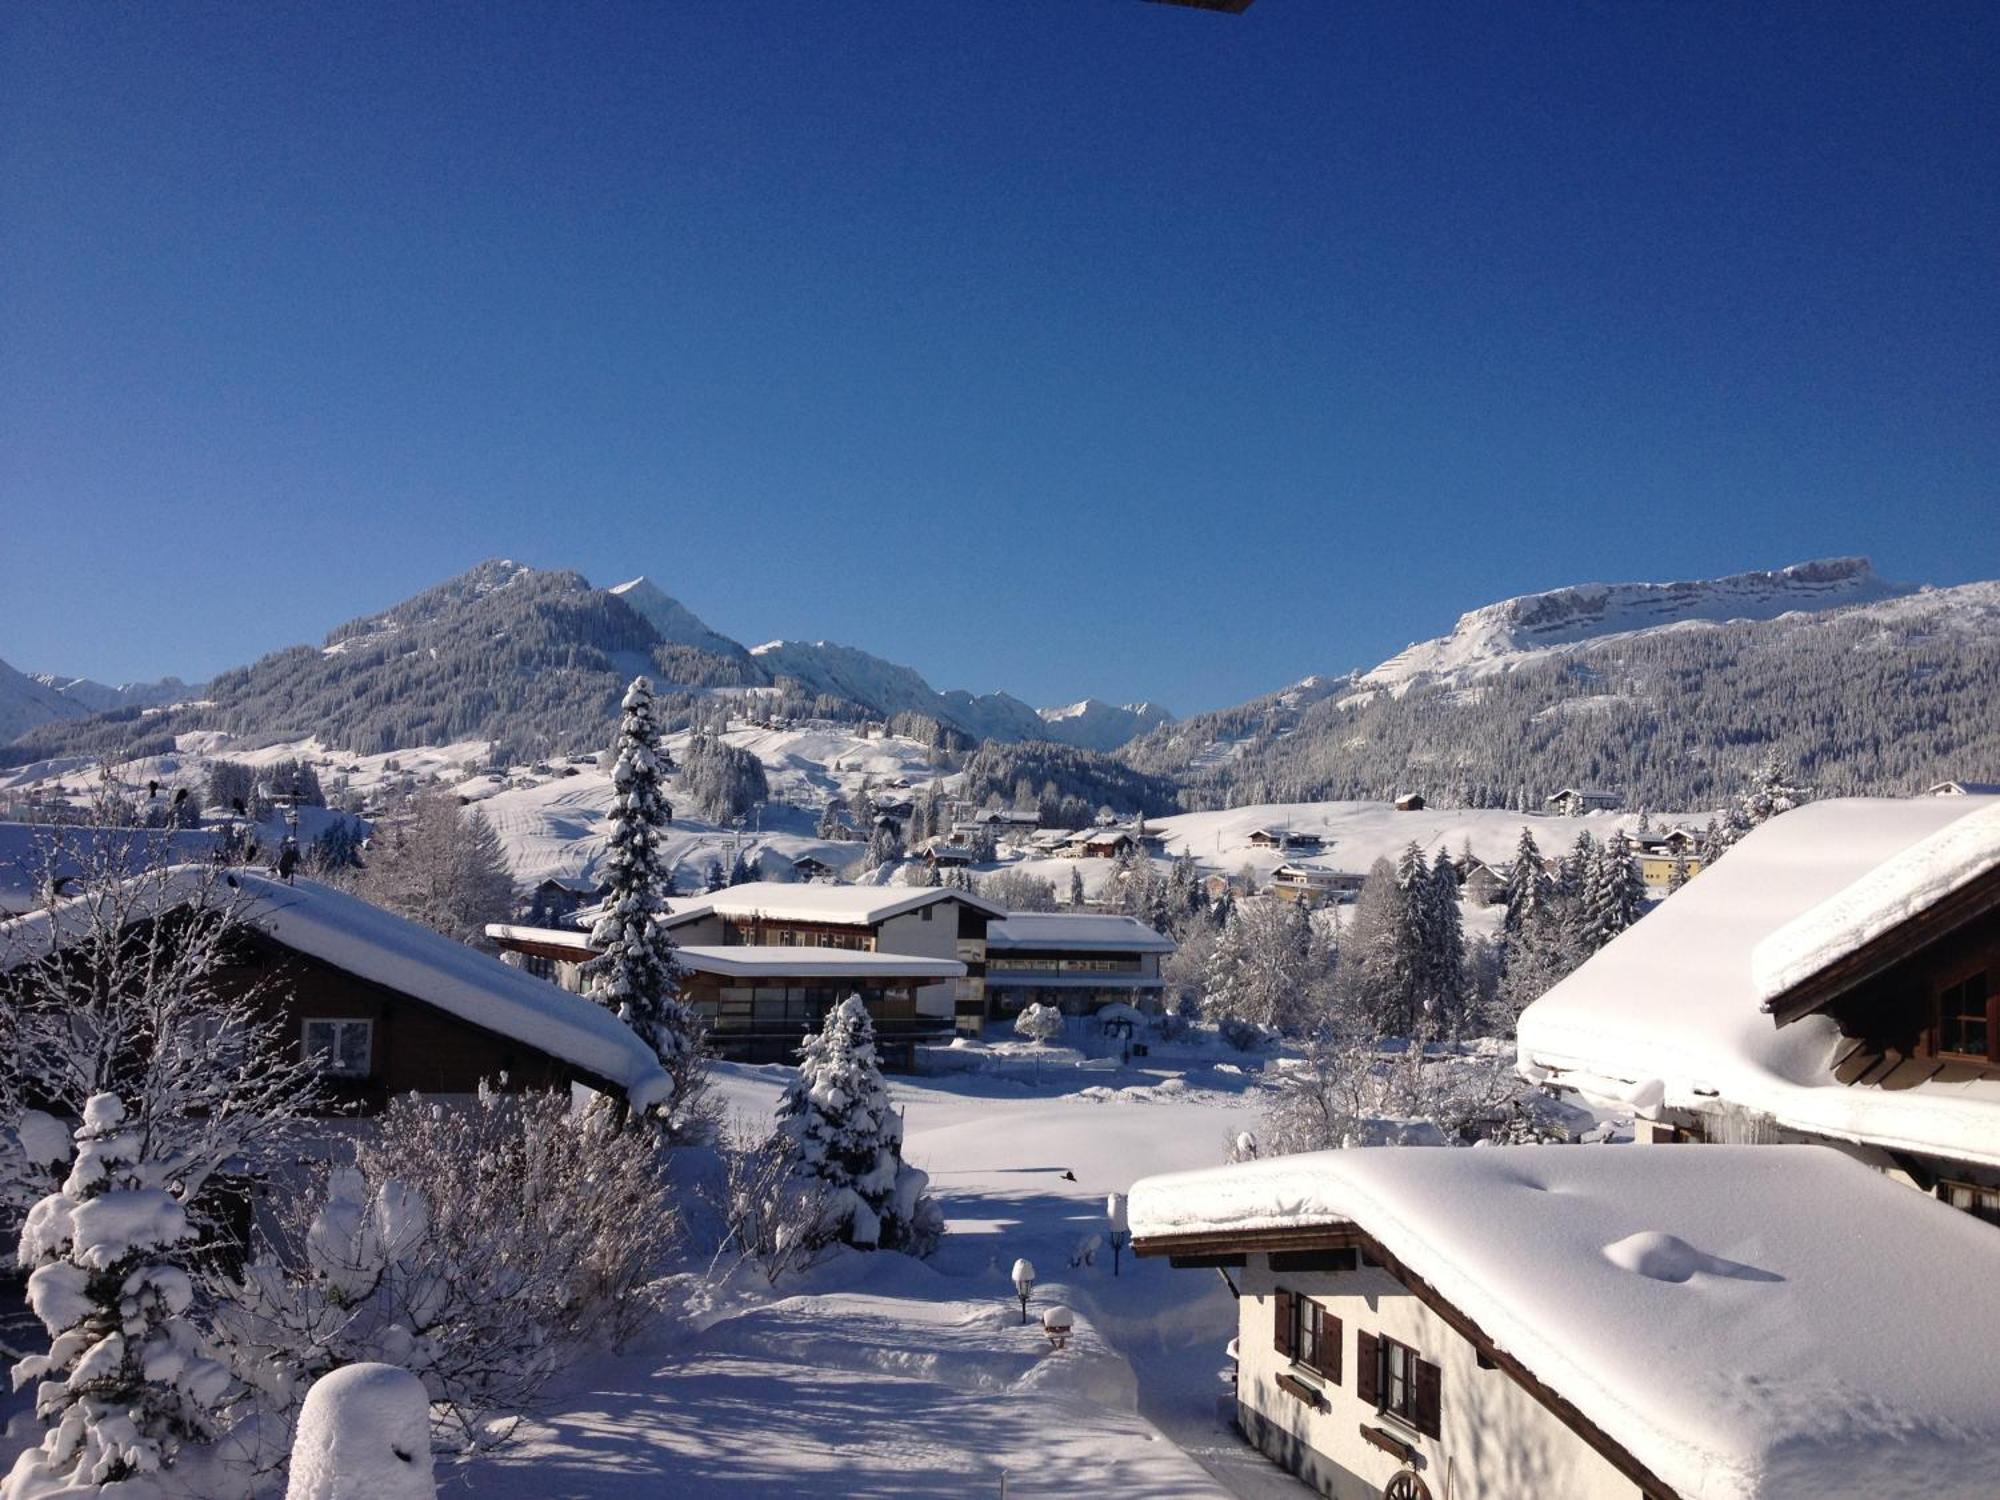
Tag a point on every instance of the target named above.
point(128, 1381)
point(1614, 893)
point(841, 1132)
point(635, 974)
point(1442, 940)
point(1527, 884)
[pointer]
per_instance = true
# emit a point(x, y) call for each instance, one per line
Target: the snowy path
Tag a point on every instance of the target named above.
point(879, 1376)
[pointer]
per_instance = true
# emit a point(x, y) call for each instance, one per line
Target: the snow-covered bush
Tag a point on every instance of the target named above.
point(841, 1133)
point(364, 1434)
point(128, 1380)
point(1040, 1023)
point(1347, 1091)
point(635, 974)
point(776, 1218)
point(480, 1248)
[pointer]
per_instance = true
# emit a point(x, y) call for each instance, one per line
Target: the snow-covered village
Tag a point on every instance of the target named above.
point(522, 977)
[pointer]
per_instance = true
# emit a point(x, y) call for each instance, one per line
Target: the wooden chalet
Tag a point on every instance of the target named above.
point(1836, 978)
point(1574, 1323)
point(385, 1006)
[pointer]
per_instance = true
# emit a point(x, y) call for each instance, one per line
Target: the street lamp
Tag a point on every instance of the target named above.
point(1024, 1283)
point(1121, 1231)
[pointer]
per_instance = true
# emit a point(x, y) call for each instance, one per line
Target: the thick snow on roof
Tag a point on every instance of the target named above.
point(1883, 899)
point(839, 905)
point(1671, 1011)
point(400, 955)
point(1749, 1322)
point(763, 960)
point(1076, 930)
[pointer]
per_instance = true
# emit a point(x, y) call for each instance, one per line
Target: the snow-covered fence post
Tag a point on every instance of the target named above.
point(1121, 1230)
point(364, 1434)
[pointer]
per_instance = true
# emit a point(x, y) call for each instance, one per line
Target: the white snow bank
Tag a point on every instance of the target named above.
point(377, 945)
point(364, 1434)
point(1748, 1321)
point(1673, 1006)
point(1883, 899)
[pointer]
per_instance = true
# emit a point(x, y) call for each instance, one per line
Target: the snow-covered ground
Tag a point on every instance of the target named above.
point(880, 1375)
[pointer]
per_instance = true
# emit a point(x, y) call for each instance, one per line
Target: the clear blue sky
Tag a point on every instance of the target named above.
point(1060, 346)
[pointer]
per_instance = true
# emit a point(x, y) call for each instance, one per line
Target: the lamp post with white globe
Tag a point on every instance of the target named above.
point(1024, 1283)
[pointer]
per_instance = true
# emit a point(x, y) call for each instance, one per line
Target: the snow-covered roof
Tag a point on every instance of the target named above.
point(1881, 900)
point(764, 960)
point(1966, 789)
point(835, 905)
point(383, 948)
point(1747, 1322)
point(1075, 930)
point(1671, 1012)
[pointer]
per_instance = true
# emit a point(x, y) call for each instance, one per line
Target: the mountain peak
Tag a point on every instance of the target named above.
point(676, 623)
point(1498, 635)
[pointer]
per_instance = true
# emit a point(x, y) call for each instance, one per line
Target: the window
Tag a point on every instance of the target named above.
point(340, 1049)
point(1965, 1017)
point(1305, 1332)
point(1398, 1386)
point(1308, 1334)
point(1980, 1202)
point(1391, 1378)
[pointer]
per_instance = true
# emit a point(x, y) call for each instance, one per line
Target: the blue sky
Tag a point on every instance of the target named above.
point(1060, 346)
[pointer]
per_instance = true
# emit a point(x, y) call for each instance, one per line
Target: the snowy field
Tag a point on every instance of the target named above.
point(880, 1375)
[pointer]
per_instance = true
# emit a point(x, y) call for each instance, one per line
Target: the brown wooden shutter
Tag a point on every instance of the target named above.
point(1283, 1303)
point(1368, 1367)
point(1430, 1398)
point(1329, 1345)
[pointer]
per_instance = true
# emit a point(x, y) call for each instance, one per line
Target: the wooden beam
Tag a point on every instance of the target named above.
point(1336, 1236)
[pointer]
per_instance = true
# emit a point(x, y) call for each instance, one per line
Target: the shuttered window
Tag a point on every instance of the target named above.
point(1307, 1334)
point(1327, 1345)
point(1368, 1368)
point(1390, 1377)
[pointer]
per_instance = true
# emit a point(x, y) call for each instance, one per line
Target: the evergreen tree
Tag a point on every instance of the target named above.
point(1614, 895)
point(1075, 889)
point(1527, 883)
point(635, 974)
point(842, 1134)
point(127, 1381)
point(1448, 997)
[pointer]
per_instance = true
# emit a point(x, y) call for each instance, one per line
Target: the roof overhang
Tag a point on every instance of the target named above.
point(1968, 903)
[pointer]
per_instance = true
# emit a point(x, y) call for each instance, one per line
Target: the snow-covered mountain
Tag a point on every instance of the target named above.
point(507, 652)
point(1496, 637)
point(31, 698)
point(26, 701)
point(1665, 694)
point(101, 698)
point(677, 624)
point(1097, 725)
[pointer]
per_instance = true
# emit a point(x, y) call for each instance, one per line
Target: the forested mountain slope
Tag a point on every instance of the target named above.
point(1885, 697)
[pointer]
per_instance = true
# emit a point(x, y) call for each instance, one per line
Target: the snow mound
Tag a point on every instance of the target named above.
point(1659, 1256)
point(364, 1434)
